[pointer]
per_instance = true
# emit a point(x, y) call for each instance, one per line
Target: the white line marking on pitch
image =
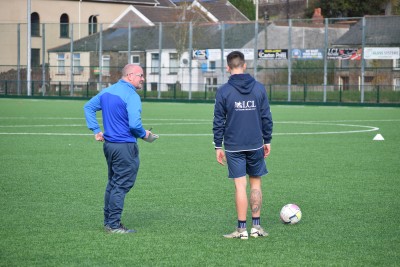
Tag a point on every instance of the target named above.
point(369, 129)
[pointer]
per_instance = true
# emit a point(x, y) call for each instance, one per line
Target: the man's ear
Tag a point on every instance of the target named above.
point(228, 69)
point(244, 66)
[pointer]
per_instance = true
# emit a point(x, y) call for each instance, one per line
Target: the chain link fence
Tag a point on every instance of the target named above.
point(353, 60)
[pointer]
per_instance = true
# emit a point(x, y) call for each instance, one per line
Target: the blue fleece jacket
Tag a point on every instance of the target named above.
point(242, 116)
point(121, 111)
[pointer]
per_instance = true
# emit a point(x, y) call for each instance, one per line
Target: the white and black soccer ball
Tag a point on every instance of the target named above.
point(290, 214)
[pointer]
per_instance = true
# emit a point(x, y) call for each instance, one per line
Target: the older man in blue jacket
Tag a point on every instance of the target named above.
point(121, 111)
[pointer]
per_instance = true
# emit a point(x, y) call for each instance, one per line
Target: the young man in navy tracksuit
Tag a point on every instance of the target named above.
point(243, 126)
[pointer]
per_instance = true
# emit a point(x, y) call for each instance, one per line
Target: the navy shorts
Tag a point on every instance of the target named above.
point(246, 162)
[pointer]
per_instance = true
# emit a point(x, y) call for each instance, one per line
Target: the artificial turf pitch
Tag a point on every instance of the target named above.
point(324, 159)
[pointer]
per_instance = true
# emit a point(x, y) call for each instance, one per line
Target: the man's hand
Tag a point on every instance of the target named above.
point(220, 156)
point(99, 137)
point(150, 137)
point(267, 150)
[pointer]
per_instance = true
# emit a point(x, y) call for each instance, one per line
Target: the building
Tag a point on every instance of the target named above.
point(54, 23)
point(162, 50)
point(382, 35)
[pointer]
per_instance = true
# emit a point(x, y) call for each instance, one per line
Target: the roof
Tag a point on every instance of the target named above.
point(164, 14)
point(206, 36)
point(198, 11)
point(223, 10)
point(379, 31)
point(138, 2)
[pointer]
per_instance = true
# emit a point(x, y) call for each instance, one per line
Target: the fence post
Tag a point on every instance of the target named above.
point(59, 88)
point(305, 93)
point(174, 91)
point(33, 88)
point(377, 95)
point(205, 92)
point(270, 92)
point(340, 93)
point(290, 62)
point(87, 89)
point(5, 90)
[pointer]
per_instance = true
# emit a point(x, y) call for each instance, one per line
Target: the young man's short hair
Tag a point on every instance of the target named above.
point(235, 59)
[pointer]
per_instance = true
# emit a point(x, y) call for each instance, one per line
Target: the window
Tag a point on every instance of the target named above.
point(211, 84)
point(212, 66)
point(396, 84)
point(173, 63)
point(155, 62)
point(35, 24)
point(344, 82)
point(61, 63)
point(368, 79)
point(153, 86)
point(92, 24)
point(135, 59)
point(35, 57)
point(77, 69)
point(396, 64)
point(171, 86)
point(64, 26)
point(106, 65)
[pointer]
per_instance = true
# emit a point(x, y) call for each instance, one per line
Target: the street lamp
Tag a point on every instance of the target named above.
point(92, 21)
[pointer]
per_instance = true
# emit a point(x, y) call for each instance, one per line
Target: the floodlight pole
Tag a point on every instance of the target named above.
point(290, 62)
point(28, 63)
point(256, 3)
point(255, 41)
point(362, 59)
point(325, 58)
point(160, 34)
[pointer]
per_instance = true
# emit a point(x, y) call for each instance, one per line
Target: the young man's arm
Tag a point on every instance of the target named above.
point(219, 121)
point(266, 119)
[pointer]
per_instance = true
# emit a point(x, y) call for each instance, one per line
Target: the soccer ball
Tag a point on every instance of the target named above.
point(290, 214)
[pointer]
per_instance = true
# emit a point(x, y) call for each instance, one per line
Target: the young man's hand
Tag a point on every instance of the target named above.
point(267, 150)
point(220, 156)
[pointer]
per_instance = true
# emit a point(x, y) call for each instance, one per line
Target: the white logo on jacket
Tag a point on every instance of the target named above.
point(245, 105)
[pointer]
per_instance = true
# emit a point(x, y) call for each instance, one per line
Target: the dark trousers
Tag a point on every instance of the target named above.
point(123, 165)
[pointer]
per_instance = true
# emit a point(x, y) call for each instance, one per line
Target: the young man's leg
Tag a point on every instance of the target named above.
point(241, 208)
point(255, 205)
point(241, 198)
point(237, 171)
point(255, 195)
point(256, 168)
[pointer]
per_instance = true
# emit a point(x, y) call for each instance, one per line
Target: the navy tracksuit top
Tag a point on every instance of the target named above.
point(242, 116)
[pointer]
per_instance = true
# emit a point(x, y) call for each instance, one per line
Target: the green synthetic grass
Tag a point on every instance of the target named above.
point(53, 176)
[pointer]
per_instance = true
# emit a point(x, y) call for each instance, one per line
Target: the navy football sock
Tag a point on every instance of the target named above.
point(241, 224)
point(256, 220)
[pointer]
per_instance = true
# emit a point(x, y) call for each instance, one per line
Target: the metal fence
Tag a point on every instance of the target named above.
point(337, 60)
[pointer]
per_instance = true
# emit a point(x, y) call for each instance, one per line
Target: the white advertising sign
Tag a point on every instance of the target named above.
point(381, 52)
point(215, 54)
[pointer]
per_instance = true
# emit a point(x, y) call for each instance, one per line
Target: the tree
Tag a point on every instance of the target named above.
point(352, 8)
point(393, 6)
point(247, 7)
